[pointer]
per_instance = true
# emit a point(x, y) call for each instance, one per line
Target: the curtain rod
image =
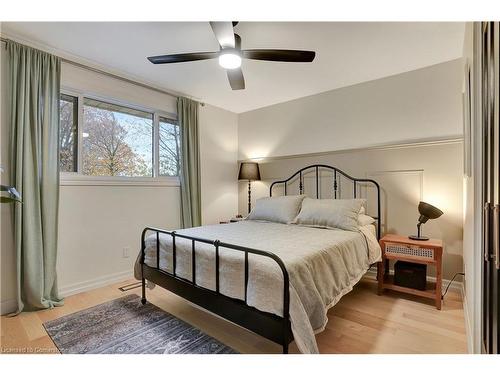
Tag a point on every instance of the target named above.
point(115, 76)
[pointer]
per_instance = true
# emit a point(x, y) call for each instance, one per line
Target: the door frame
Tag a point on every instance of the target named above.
point(478, 174)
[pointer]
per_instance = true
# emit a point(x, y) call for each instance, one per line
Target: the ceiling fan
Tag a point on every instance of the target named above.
point(230, 54)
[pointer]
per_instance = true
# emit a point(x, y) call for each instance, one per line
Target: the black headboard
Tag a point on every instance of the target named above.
point(336, 193)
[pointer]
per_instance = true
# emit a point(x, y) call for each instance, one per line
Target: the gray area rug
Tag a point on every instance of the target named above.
point(125, 326)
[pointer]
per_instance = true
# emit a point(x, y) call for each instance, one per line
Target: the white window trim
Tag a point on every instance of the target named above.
point(75, 179)
point(78, 179)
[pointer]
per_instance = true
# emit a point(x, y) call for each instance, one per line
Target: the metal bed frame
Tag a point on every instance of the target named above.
point(273, 327)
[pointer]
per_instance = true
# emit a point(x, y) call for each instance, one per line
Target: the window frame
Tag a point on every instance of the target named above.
point(76, 114)
point(78, 178)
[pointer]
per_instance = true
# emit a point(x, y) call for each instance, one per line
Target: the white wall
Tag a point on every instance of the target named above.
point(96, 223)
point(86, 81)
point(219, 169)
point(420, 104)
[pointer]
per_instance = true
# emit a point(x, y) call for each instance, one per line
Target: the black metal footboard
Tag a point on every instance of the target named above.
point(271, 326)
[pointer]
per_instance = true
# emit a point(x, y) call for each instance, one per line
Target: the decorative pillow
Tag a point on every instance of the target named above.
point(330, 213)
point(365, 220)
point(277, 209)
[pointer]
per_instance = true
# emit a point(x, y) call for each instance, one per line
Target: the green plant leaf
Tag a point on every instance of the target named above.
point(8, 200)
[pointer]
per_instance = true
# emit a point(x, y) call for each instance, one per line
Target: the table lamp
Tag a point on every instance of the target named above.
point(249, 171)
point(427, 211)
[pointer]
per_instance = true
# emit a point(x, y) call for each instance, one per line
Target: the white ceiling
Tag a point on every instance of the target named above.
point(346, 53)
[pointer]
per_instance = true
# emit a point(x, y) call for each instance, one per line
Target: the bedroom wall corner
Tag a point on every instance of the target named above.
point(219, 163)
point(392, 129)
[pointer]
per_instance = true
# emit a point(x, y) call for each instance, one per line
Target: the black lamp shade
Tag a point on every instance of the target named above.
point(428, 211)
point(249, 171)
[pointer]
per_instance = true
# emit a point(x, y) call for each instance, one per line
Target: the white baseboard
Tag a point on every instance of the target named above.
point(8, 306)
point(468, 325)
point(98, 282)
point(456, 286)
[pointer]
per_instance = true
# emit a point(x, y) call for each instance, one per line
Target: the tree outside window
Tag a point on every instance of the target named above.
point(116, 140)
point(116, 143)
point(169, 148)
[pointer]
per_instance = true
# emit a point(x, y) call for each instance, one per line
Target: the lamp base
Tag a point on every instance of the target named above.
point(418, 238)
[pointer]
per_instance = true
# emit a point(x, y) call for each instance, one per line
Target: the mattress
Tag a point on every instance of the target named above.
point(323, 265)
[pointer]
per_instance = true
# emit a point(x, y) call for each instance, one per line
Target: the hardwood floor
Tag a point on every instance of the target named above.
point(361, 322)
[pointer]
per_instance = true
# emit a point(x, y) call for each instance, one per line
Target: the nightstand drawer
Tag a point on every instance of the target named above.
point(411, 251)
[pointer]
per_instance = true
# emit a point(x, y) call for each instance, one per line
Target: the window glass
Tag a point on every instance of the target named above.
point(169, 150)
point(116, 140)
point(68, 133)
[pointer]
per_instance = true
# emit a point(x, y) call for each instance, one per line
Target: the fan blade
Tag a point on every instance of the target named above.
point(224, 33)
point(182, 57)
point(287, 55)
point(236, 79)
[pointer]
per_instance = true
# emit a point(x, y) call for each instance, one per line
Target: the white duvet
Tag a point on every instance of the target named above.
point(323, 265)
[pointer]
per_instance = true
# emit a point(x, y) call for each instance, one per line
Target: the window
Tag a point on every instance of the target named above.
point(113, 140)
point(68, 133)
point(169, 147)
point(116, 141)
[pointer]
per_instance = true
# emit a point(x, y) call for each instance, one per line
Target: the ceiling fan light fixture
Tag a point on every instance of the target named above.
point(230, 60)
point(230, 54)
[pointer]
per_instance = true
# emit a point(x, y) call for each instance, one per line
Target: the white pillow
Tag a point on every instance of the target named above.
point(281, 209)
point(330, 213)
point(365, 220)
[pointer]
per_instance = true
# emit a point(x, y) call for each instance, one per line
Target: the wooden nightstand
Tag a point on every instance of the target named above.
point(424, 252)
point(232, 220)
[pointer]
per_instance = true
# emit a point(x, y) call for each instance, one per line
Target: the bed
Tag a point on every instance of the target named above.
point(228, 268)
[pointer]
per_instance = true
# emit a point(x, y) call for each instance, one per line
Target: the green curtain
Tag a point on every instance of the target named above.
point(34, 78)
point(187, 112)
